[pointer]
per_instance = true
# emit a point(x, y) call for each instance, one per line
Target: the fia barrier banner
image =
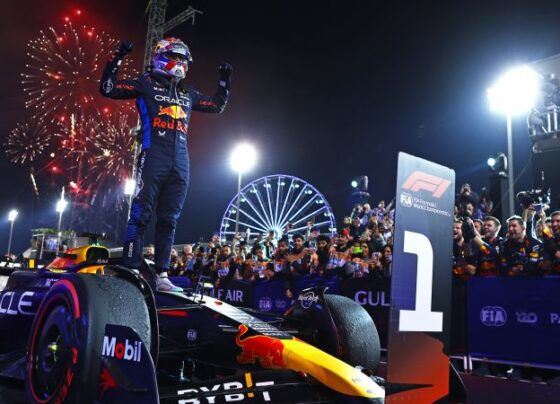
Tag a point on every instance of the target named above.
point(236, 293)
point(373, 295)
point(271, 296)
point(515, 320)
point(419, 322)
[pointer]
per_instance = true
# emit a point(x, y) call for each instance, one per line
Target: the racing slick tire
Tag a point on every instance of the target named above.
point(65, 343)
point(357, 338)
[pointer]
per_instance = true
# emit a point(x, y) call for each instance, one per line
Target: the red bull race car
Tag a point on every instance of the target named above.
point(85, 329)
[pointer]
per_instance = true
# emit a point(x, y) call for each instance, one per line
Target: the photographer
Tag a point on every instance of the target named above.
point(520, 255)
point(466, 195)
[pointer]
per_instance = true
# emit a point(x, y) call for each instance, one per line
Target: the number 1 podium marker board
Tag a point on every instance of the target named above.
point(419, 324)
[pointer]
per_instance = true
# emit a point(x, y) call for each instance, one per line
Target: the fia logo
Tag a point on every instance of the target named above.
point(493, 316)
point(406, 200)
point(192, 335)
point(265, 304)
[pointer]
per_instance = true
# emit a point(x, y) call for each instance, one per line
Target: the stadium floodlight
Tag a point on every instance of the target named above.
point(11, 217)
point(514, 93)
point(243, 158)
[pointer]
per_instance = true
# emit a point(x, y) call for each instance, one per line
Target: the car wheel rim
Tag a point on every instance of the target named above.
point(52, 356)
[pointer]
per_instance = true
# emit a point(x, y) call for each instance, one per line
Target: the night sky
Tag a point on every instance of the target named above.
point(326, 90)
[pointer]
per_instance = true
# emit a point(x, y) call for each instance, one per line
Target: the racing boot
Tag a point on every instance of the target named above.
point(163, 284)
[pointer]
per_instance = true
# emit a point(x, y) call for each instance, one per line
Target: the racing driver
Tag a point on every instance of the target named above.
point(164, 103)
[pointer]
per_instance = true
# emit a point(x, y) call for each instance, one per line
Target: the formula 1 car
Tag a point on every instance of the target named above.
point(86, 329)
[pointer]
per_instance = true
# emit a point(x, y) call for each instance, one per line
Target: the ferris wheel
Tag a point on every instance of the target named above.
point(271, 203)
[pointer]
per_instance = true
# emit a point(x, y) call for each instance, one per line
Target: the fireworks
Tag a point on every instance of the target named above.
point(78, 137)
point(27, 141)
point(64, 69)
point(113, 158)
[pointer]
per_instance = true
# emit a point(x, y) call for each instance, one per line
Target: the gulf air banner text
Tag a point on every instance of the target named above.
point(419, 324)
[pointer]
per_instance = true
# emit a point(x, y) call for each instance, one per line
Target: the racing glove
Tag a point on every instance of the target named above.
point(225, 70)
point(124, 49)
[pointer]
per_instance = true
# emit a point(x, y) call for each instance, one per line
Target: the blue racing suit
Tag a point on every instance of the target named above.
point(162, 177)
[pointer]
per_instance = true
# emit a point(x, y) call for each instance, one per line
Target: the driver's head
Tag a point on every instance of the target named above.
point(171, 58)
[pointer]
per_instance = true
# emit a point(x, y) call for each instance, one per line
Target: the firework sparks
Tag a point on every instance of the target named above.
point(114, 158)
point(27, 141)
point(62, 75)
point(78, 138)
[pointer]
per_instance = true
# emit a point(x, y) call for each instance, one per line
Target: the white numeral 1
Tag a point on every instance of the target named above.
point(422, 318)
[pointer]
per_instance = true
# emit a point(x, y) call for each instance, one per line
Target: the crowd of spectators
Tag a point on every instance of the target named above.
point(528, 245)
point(361, 248)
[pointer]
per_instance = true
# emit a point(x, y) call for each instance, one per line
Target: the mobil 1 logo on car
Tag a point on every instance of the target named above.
point(125, 358)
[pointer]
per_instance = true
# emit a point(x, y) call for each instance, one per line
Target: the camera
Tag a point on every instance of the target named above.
point(534, 196)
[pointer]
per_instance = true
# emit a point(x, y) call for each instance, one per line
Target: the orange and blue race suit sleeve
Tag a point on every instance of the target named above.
point(110, 86)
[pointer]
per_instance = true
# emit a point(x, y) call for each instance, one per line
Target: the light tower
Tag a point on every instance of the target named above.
point(157, 26)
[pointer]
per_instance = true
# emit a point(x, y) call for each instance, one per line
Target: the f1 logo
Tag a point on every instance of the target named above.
point(421, 181)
